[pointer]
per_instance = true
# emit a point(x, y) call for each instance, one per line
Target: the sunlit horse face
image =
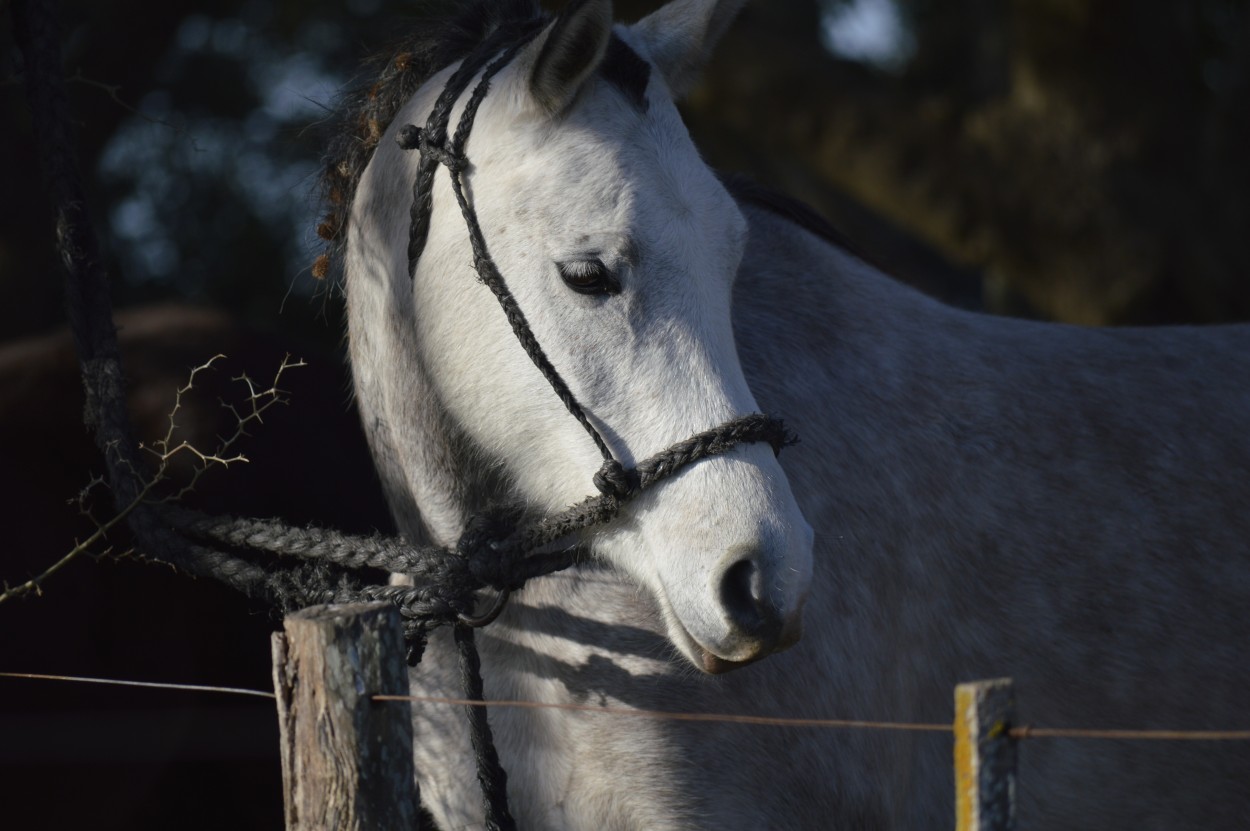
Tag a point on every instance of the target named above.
point(620, 246)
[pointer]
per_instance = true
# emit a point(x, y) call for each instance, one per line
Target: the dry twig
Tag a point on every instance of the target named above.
point(165, 450)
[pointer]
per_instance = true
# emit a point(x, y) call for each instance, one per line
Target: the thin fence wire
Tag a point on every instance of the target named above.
point(1021, 732)
point(1027, 732)
point(150, 684)
point(668, 715)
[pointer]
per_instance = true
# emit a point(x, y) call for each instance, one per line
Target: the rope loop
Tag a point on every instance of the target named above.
point(476, 621)
point(412, 137)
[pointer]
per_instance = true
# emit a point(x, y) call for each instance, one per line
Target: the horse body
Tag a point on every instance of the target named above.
point(991, 497)
point(996, 497)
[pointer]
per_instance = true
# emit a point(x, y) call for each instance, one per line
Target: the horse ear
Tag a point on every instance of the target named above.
point(679, 37)
point(565, 54)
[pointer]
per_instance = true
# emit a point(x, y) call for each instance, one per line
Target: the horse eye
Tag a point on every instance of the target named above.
point(589, 277)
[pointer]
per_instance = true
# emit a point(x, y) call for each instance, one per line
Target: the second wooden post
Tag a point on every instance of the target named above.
point(985, 756)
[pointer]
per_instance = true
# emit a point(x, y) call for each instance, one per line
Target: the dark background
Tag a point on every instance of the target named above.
point(1074, 161)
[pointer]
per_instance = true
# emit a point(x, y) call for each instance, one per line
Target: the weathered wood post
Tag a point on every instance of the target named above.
point(985, 756)
point(346, 759)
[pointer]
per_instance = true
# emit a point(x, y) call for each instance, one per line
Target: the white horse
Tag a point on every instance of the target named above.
point(1070, 507)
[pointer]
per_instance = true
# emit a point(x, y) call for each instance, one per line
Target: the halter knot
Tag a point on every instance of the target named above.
point(614, 480)
point(412, 137)
point(489, 543)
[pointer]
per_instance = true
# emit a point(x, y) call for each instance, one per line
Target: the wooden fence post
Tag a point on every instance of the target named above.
point(346, 759)
point(985, 756)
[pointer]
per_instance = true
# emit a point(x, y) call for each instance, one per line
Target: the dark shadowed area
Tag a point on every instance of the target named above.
point(1083, 162)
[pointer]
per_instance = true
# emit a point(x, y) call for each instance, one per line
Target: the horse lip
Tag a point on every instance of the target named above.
point(714, 664)
point(791, 634)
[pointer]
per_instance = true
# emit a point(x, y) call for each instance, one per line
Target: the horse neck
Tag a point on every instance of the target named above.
point(823, 330)
point(914, 415)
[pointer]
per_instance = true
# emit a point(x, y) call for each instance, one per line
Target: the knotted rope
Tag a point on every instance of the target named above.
point(497, 549)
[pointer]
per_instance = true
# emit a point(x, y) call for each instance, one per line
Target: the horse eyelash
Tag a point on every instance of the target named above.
point(582, 268)
point(579, 269)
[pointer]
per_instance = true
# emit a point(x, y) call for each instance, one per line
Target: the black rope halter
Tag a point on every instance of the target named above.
point(612, 479)
point(615, 483)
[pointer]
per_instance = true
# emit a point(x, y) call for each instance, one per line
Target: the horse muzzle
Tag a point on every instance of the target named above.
point(755, 621)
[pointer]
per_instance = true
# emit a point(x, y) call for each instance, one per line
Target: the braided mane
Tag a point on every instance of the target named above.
point(444, 33)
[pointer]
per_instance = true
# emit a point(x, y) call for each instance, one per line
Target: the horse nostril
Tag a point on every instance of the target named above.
point(744, 598)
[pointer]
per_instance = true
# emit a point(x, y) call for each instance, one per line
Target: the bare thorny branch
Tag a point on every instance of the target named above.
point(165, 451)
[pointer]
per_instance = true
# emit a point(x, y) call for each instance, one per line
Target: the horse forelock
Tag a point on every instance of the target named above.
point(441, 35)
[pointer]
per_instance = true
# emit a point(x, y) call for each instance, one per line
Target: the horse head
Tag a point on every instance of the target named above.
point(620, 246)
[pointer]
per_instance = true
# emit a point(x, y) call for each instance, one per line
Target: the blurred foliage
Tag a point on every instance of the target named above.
point(1088, 159)
point(199, 144)
point(1072, 160)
